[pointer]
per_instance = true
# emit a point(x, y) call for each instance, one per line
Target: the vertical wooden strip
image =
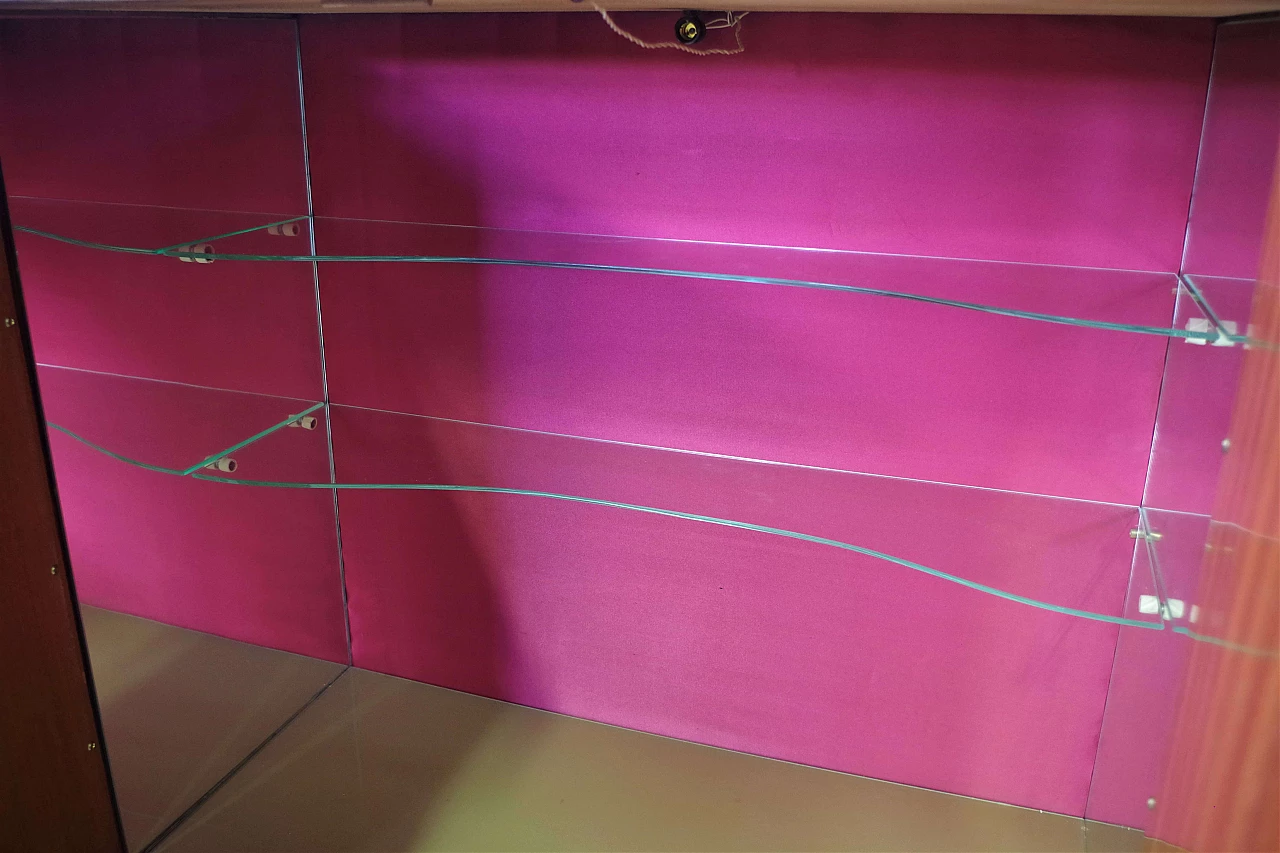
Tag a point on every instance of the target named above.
point(1222, 786)
point(54, 790)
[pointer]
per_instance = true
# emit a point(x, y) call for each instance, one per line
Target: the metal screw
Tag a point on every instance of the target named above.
point(92, 747)
point(1151, 802)
point(10, 322)
point(53, 570)
point(1226, 445)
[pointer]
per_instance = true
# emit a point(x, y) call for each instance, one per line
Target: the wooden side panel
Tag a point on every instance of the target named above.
point(54, 790)
point(1222, 786)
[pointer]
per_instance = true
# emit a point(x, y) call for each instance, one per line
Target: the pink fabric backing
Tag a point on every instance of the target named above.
point(184, 112)
point(1063, 140)
point(1050, 140)
point(736, 638)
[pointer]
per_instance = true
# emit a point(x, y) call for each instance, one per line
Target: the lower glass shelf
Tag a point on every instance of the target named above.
point(708, 597)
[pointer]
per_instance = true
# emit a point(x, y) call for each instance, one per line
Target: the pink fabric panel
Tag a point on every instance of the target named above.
point(1242, 128)
point(736, 638)
point(1196, 401)
point(147, 124)
point(1000, 138)
point(1065, 140)
point(1142, 703)
point(258, 565)
point(188, 112)
point(227, 324)
point(841, 380)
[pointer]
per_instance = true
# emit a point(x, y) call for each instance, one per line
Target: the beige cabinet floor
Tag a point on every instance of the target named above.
point(180, 709)
point(377, 763)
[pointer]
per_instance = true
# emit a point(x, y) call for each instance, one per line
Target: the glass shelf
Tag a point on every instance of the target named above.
point(165, 430)
point(168, 429)
point(1113, 300)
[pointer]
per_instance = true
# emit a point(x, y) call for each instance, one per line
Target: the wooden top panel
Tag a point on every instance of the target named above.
point(1195, 8)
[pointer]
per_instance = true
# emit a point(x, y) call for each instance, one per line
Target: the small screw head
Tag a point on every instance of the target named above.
point(9, 322)
point(1226, 445)
point(1151, 802)
point(53, 570)
point(92, 747)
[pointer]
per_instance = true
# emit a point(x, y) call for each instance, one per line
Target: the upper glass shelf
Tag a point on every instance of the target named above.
point(1123, 301)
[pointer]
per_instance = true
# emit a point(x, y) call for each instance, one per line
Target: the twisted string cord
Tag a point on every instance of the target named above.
point(729, 21)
